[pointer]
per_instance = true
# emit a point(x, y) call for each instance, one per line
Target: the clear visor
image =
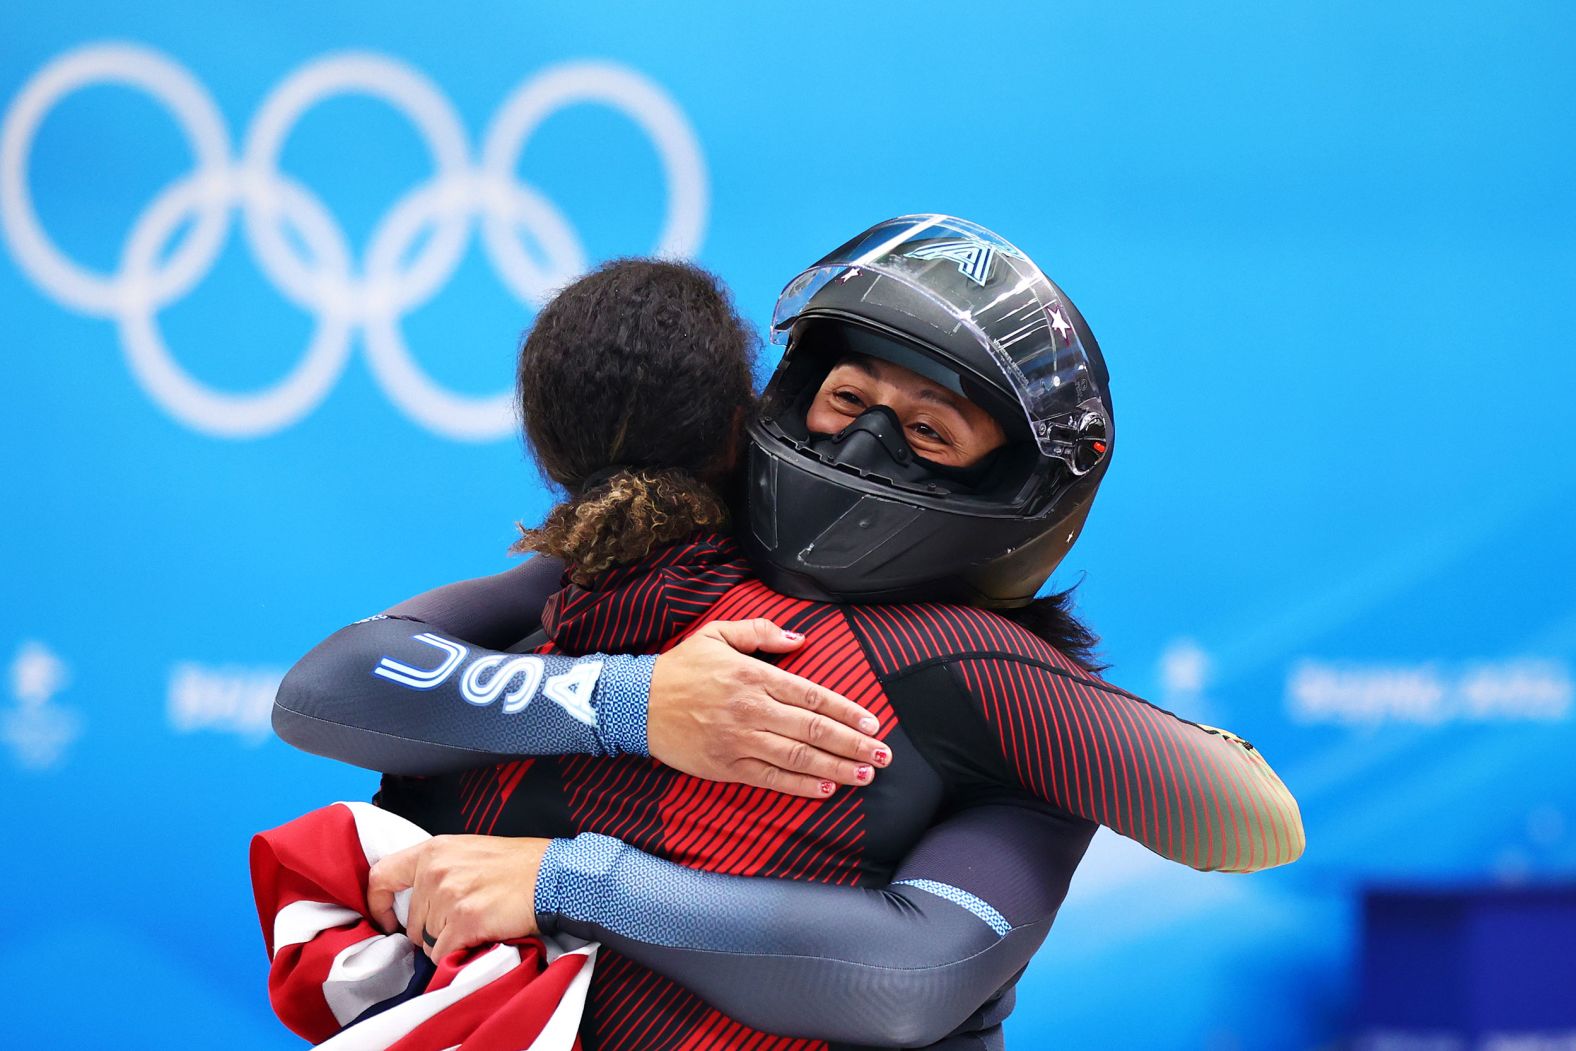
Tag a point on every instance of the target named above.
point(993, 292)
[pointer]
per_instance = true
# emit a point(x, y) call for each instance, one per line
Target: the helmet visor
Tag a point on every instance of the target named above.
point(989, 289)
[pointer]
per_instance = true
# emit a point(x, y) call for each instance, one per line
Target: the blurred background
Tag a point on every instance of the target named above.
point(262, 274)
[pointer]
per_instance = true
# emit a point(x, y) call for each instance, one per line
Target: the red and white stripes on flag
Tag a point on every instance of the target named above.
point(331, 965)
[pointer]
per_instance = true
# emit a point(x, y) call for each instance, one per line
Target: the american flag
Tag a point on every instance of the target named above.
point(338, 981)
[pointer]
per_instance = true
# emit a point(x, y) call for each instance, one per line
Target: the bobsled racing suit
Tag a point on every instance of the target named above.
point(991, 730)
point(889, 966)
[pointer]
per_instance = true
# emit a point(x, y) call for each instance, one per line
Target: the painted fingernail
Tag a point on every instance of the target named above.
point(826, 788)
point(882, 757)
point(863, 773)
point(792, 636)
point(870, 724)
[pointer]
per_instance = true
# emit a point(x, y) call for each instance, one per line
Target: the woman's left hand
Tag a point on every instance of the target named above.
point(466, 890)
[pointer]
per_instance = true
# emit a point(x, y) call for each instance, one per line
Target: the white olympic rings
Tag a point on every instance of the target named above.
point(343, 294)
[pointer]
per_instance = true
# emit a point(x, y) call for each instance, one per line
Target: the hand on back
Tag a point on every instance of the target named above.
point(718, 713)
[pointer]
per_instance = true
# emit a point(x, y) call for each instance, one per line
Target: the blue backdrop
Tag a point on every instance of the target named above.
point(263, 269)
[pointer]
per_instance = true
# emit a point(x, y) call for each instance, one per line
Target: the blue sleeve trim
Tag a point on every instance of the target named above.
point(978, 906)
point(571, 870)
point(622, 701)
point(601, 880)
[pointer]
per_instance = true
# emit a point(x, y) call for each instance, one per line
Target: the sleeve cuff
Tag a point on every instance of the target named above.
point(570, 873)
point(623, 698)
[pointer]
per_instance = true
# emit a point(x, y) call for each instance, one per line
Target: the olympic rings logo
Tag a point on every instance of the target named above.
point(344, 294)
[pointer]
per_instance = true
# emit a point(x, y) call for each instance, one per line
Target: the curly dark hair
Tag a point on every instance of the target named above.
point(631, 387)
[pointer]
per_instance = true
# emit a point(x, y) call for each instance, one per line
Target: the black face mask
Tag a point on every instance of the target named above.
point(874, 444)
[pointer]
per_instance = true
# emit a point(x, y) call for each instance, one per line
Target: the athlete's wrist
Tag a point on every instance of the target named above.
point(570, 877)
point(623, 703)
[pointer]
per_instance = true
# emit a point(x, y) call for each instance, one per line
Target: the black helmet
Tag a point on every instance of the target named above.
point(857, 517)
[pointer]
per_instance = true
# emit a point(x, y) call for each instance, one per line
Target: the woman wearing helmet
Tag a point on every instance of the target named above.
point(876, 518)
point(980, 711)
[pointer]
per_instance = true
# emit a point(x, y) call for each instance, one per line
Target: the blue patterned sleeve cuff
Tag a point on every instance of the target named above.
point(622, 699)
point(570, 870)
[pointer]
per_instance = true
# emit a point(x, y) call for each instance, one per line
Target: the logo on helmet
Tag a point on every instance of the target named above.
point(975, 259)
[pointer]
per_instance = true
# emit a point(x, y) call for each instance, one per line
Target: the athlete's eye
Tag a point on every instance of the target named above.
point(927, 432)
point(849, 399)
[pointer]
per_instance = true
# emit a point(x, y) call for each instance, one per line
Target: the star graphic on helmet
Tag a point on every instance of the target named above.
point(1059, 323)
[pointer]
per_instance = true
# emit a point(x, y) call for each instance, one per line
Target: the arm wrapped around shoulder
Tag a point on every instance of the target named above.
point(1193, 794)
point(394, 695)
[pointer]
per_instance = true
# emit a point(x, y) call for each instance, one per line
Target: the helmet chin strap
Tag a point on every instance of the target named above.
point(874, 444)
